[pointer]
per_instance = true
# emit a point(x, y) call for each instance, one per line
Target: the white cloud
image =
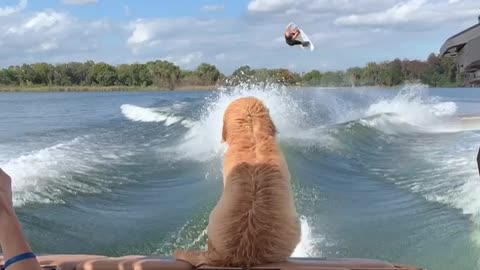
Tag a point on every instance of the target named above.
point(9, 10)
point(38, 32)
point(149, 31)
point(270, 5)
point(45, 21)
point(415, 14)
point(401, 12)
point(140, 34)
point(345, 32)
point(186, 41)
point(79, 2)
point(212, 8)
point(48, 35)
point(232, 43)
point(317, 6)
point(257, 39)
point(188, 61)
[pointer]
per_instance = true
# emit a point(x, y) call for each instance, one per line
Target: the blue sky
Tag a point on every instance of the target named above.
point(123, 10)
point(228, 33)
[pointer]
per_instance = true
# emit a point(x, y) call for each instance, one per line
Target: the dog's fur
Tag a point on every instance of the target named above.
point(255, 220)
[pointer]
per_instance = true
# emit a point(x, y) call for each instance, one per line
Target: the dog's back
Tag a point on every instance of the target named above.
point(255, 221)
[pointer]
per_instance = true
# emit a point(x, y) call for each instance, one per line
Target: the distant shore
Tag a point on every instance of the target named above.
point(78, 88)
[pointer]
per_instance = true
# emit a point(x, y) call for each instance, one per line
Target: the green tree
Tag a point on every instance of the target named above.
point(207, 73)
point(60, 75)
point(242, 74)
point(287, 77)
point(440, 72)
point(450, 72)
point(133, 75)
point(78, 72)
point(9, 76)
point(27, 74)
point(413, 70)
point(189, 78)
point(353, 76)
point(164, 73)
point(102, 74)
point(312, 78)
point(43, 73)
point(396, 74)
point(125, 75)
point(333, 79)
point(435, 71)
point(371, 74)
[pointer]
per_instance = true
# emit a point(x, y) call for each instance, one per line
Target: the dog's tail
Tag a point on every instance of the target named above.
point(199, 258)
point(195, 258)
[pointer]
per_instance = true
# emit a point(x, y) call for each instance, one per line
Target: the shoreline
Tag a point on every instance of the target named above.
point(79, 88)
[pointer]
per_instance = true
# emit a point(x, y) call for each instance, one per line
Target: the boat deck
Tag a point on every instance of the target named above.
point(93, 262)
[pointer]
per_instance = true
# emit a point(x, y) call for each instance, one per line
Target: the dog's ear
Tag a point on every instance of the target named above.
point(272, 127)
point(224, 132)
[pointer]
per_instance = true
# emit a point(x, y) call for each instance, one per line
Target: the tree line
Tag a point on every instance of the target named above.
point(435, 71)
point(159, 73)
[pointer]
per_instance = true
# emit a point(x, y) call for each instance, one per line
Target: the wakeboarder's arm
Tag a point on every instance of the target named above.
point(12, 240)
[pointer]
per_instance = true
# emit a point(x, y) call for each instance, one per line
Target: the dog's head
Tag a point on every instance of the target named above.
point(247, 110)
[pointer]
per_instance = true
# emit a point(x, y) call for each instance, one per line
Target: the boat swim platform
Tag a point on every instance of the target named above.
point(134, 262)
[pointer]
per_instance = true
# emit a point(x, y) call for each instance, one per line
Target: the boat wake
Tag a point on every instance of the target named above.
point(48, 175)
point(164, 115)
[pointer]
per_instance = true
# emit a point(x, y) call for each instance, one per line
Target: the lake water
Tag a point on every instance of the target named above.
point(385, 174)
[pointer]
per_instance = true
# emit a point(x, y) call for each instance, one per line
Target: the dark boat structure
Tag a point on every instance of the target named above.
point(92, 262)
point(465, 47)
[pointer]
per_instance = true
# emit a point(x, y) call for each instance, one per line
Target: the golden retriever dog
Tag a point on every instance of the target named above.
point(255, 221)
